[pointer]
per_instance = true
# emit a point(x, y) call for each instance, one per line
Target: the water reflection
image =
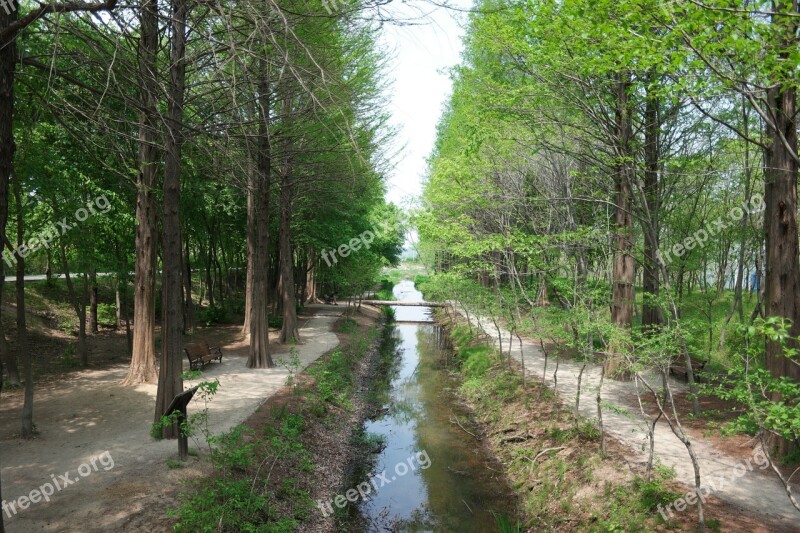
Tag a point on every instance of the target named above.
point(457, 492)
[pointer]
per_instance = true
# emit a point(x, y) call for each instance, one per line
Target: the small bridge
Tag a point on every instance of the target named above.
point(403, 303)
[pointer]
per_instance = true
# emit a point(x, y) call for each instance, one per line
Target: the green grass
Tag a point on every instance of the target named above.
point(385, 292)
point(549, 487)
point(241, 494)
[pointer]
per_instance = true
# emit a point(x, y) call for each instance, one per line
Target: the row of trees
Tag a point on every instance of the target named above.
point(229, 143)
point(590, 148)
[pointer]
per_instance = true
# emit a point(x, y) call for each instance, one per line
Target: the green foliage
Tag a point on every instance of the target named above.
point(386, 290)
point(209, 316)
point(773, 404)
point(107, 314)
point(389, 314)
point(506, 524)
point(196, 425)
point(346, 325)
point(476, 360)
point(292, 365)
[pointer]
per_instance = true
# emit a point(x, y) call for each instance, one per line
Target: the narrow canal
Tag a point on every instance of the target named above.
point(437, 476)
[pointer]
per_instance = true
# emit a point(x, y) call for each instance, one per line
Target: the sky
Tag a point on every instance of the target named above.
point(420, 86)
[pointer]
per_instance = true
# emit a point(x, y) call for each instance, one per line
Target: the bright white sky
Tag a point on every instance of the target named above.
point(420, 56)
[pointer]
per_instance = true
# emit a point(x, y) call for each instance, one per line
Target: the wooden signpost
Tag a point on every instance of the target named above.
point(179, 404)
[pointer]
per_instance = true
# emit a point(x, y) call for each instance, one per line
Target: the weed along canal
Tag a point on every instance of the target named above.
point(431, 473)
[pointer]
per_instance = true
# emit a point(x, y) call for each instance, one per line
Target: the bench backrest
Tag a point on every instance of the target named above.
point(196, 351)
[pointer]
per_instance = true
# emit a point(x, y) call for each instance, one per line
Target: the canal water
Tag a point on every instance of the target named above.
point(437, 476)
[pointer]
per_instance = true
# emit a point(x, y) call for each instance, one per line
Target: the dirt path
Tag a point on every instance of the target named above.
point(756, 491)
point(88, 419)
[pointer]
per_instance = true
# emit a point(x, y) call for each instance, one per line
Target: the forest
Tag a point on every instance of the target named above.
point(620, 179)
point(193, 200)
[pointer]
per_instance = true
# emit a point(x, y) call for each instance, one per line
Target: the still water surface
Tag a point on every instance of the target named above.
point(458, 490)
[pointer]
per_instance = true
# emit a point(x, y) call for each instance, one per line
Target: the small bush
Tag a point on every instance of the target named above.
point(107, 314)
point(388, 313)
point(386, 291)
point(209, 316)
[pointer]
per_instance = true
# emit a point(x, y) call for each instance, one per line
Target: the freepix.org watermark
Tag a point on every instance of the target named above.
point(418, 461)
point(58, 483)
point(364, 240)
point(53, 231)
point(691, 498)
point(700, 237)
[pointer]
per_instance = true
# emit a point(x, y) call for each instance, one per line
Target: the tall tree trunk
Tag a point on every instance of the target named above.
point(127, 316)
point(782, 276)
point(7, 356)
point(541, 293)
point(93, 322)
point(118, 305)
point(623, 267)
point(170, 382)
point(252, 186)
point(782, 279)
point(311, 279)
point(259, 356)
point(78, 305)
point(220, 279)
point(188, 303)
point(651, 312)
point(209, 277)
point(22, 330)
point(289, 329)
point(48, 271)
point(8, 55)
point(143, 360)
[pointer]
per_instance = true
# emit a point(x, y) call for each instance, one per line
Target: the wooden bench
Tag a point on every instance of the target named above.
point(678, 368)
point(200, 354)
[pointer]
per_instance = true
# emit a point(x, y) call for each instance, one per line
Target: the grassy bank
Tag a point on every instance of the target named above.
point(553, 460)
point(268, 473)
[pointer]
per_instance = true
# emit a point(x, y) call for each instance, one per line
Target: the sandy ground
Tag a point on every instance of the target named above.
point(95, 434)
point(757, 492)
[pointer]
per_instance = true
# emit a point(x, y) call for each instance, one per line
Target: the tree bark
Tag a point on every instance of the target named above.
point(259, 356)
point(118, 305)
point(652, 316)
point(170, 382)
point(93, 321)
point(78, 305)
point(311, 280)
point(782, 277)
point(209, 277)
point(289, 329)
point(623, 266)
point(188, 309)
point(8, 54)
point(22, 331)
point(143, 360)
point(252, 187)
